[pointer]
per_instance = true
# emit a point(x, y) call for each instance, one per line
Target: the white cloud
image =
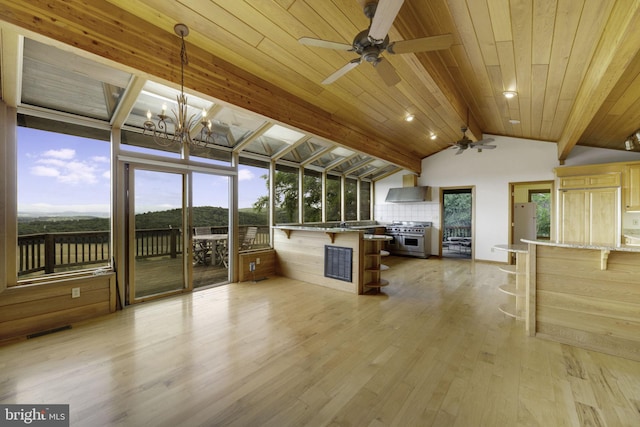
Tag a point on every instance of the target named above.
point(64, 153)
point(44, 171)
point(100, 159)
point(62, 165)
point(245, 175)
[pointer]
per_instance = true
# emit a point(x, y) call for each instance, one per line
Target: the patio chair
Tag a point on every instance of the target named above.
point(249, 238)
point(201, 248)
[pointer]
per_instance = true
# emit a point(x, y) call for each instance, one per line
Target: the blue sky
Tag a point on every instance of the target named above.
point(60, 173)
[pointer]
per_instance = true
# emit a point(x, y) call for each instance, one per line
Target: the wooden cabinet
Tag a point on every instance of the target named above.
point(590, 181)
point(632, 188)
point(590, 216)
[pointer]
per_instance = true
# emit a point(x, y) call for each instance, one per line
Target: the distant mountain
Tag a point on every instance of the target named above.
point(30, 216)
point(202, 216)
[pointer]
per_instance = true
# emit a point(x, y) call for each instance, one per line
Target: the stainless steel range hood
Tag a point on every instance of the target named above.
point(408, 195)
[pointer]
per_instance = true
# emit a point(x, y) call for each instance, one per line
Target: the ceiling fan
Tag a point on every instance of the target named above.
point(373, 41)
point(466, 143)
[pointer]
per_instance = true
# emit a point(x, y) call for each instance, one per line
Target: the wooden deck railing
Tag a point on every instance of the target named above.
point(55, 252)
point(463, 231)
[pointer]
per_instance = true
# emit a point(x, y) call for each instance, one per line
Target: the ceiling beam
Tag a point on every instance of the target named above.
point(617, 48)
point(432, 70)
point(127, 102)
point(105, 30)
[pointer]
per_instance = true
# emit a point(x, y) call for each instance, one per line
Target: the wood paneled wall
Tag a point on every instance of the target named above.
point(30, 309)
point(579, 304)
point(265, 268)
point(300, 255)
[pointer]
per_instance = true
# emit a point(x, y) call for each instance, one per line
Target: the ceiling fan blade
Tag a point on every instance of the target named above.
point(324, 43)
point(387, 72)
point(482, 142)
point(460, 151)
point(386, 13)
point(342, 71)
point(423, 44)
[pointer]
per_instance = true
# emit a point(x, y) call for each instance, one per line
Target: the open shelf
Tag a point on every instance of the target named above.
point(373, 267)
point(508, 310)
point(510, 289)
point(509, 269)
point(379, 284)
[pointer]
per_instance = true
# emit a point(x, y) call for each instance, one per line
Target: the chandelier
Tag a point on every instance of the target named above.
point(183, 123)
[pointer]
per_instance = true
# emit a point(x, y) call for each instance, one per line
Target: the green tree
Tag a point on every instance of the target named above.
point(543, 213)
point(457, 209)
point(286, 197)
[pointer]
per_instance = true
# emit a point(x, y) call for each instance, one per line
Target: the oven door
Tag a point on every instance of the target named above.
point(413, 243)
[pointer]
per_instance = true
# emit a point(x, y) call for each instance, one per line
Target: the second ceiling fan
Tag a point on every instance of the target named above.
point(373, 41)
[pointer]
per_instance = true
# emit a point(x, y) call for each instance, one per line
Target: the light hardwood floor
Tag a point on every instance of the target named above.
point(432, 350)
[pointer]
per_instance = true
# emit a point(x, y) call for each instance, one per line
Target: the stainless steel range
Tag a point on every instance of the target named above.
point(410, 238)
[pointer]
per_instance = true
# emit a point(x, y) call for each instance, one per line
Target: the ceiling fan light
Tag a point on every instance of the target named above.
point(509, 94)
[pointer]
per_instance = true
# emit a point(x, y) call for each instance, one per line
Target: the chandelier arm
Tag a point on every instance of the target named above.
point(181, 120)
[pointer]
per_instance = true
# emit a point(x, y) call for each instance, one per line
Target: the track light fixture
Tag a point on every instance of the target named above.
point(632, 141)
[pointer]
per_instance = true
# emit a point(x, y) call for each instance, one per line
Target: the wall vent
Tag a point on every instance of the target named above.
point(337, 262)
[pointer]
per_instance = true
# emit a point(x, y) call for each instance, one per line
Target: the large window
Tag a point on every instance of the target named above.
point(286, 194)
point(253, 200)
point(351, 200)
point(365, 200)
point(312, 196)
point(64, 196)
point(333, 198)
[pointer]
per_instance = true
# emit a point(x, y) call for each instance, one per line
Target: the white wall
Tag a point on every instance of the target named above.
point(514, 160)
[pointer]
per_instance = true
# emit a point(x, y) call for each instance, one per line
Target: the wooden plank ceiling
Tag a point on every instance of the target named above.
point(573, 63)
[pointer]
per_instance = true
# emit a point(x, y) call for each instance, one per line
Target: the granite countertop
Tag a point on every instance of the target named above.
point(577, 245)
point(517, 247)
point(311, 228)
point(377, 237)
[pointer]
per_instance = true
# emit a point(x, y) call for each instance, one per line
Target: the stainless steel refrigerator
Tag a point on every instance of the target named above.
point(524, 222)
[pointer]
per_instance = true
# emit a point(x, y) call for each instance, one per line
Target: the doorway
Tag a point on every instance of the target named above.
point(157, 243)
point(541, 195)
point(177, 223)
point(457, 207)
point(210, 221)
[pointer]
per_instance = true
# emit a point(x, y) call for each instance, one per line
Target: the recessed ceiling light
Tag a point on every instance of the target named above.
point(509, 94)
point(514, 121)
point(409, 118)
point(433, 136)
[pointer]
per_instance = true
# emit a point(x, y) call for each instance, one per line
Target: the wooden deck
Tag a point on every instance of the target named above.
point(164, 275)
point(431, 350)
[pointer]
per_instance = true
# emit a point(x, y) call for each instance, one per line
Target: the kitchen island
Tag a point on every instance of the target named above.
point(585, 295)
point(342, 258)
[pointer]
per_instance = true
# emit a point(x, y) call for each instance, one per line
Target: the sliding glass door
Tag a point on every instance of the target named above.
point(156, 242)
point(210, 218)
